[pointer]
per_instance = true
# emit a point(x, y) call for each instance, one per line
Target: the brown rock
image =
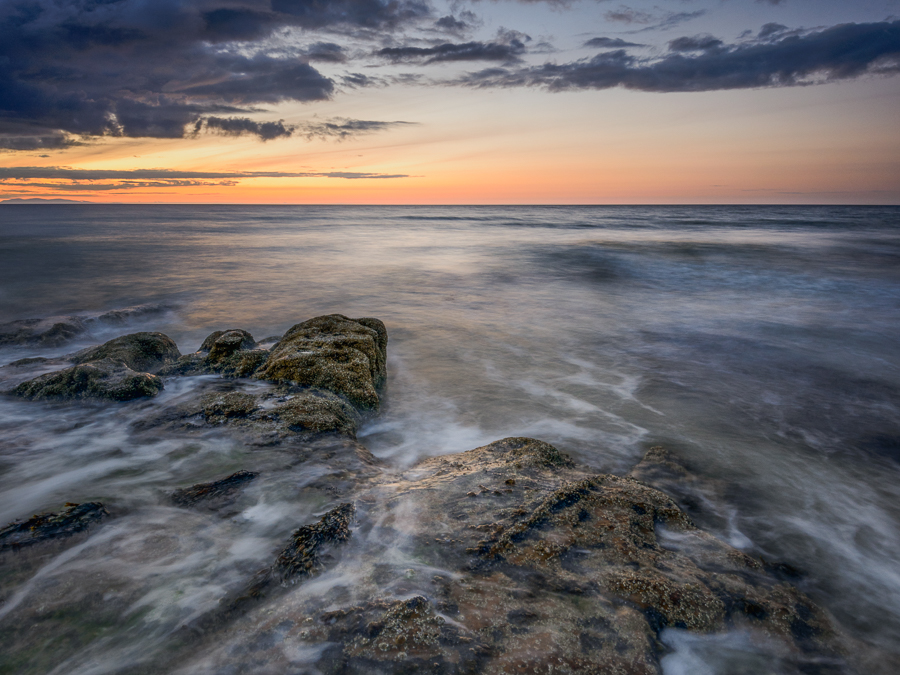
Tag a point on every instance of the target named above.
point(345, 356)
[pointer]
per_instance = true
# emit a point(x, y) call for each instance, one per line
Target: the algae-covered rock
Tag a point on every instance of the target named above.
point(229, 405)
point(588, 567)
point(230, 352)
point(307, 412)
point(316, 411)
point(99, 379)
point(218, 490)
point(44, 527)
point(302, 555)
point(345, 356)
point(143, 352)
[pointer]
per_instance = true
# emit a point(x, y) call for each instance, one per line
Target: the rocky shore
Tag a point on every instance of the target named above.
point(524, 561)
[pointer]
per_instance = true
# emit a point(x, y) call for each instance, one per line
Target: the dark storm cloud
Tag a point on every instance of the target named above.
point(139, 68)
point(840, 52)
point(507, 48)
point(52, 141)
point(325, 52)
point(695, 43)
point(610, 43)
point(241, 126)
point(342, 128)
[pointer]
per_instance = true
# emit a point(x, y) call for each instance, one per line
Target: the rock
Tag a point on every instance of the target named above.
point(116, 370)
point(219, 490)
point(228, 352)
point(99, 379)
point(142, 352)
point(316, 411)
point(345, 356)
point(40, 528)
point(549, 566)
point(308, 412)
point(302, 556)
point(50, 332)
point(223, 343)
point(218, 408)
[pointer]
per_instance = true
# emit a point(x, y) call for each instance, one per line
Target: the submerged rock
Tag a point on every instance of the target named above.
point(217, 490)
point(345, 356)
point(57, 330)
point(44, 527)
point(303, 555)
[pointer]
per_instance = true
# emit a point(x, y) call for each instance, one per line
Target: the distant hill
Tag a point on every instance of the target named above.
point(37, 200)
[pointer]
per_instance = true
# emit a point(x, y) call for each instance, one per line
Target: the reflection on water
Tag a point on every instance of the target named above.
point(758, 343)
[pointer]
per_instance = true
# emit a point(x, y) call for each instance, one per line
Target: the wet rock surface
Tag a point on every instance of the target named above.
point(73, 518)
point(218, 490)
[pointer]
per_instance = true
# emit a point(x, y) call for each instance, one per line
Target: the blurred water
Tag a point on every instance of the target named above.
point(760, 343)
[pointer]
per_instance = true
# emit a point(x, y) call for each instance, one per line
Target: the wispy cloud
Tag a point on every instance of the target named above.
point(342, 127)
point(65, 179)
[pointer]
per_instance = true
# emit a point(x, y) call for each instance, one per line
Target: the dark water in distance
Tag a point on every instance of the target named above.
point(760, 343)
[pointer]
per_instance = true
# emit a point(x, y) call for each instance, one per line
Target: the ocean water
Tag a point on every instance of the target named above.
point(758, 343)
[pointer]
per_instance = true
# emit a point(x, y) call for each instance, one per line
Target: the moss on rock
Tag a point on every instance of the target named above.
point(104, 379)
point(142, 352)
point(345, 356)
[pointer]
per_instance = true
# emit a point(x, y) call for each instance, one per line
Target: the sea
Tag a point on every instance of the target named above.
point(761, 344)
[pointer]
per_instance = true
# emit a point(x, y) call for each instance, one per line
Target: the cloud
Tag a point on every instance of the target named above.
point(50, 141)
point(840, 52)
point(240, 126)
point(610, 43)
point(341, 127)
point(91, 180)
point(506, 48)
point(695, 43)
point(325, 52)
point(771, 29)
point(465, 21)
point(152, 69)
point(651, 21)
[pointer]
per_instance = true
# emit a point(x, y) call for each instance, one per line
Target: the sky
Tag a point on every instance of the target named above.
point(459, 102)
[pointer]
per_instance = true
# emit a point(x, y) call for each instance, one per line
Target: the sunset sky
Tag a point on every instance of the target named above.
point(461, 102)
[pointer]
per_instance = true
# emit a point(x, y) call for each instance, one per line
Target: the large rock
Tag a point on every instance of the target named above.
point(525, 562)
point(99, 379)
point(119, 370)
point(142, 352)
point(345, 356)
